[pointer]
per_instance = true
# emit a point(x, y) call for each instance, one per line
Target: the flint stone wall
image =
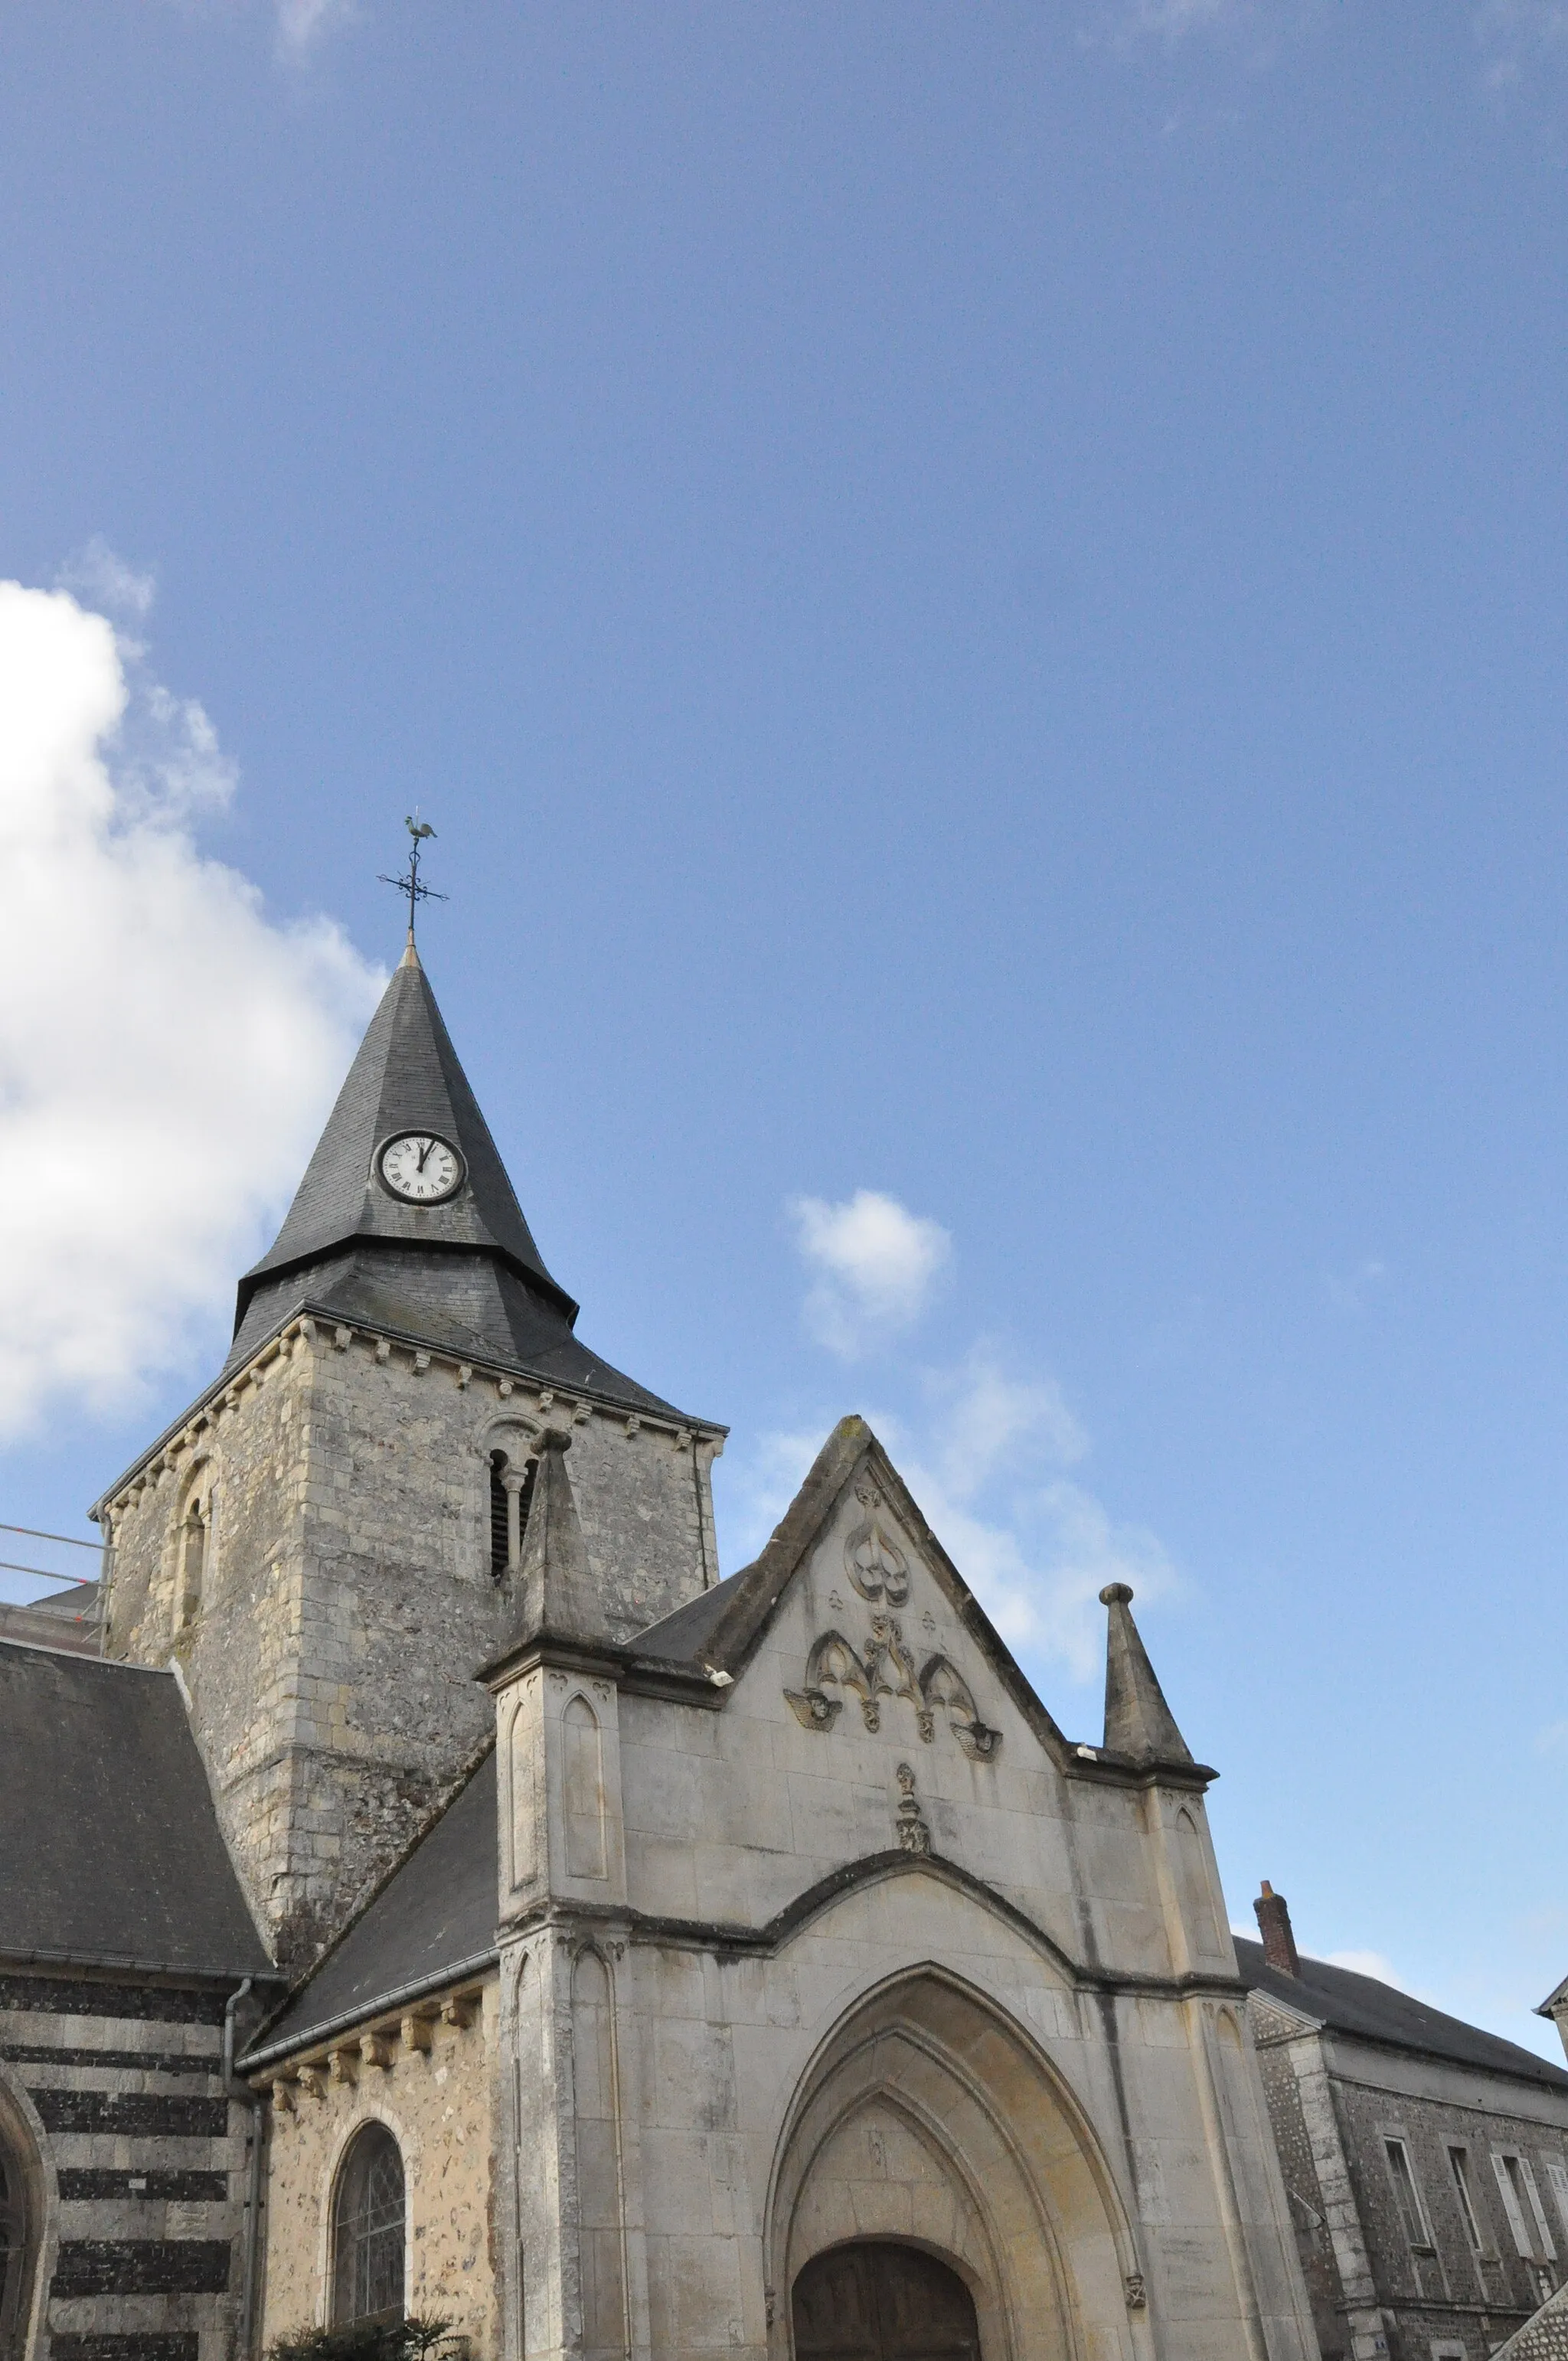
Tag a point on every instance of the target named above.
point(441, 2108)
point(347, 1594)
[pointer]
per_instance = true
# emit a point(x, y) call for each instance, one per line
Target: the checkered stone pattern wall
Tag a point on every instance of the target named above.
point(143, 2159)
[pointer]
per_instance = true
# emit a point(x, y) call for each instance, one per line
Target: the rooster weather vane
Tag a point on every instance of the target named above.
point(410, 884)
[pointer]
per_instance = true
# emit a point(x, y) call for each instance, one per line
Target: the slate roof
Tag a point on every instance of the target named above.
point(683, 1637)
point(1347, 2003)
point(110, 1849)
point(433, 1919)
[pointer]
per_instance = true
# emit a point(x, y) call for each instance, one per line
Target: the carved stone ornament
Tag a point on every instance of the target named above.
point(909, 1821)
point(1136, 2298)
point(944, 1689)
point(887, 1670)
point(872, 1559)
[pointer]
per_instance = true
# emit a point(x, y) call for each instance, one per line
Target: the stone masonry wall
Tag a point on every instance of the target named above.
point(143, 2156)
point(1313, 2246)
point(440, 2106)
point(1455, 2294)
point(346, 1597)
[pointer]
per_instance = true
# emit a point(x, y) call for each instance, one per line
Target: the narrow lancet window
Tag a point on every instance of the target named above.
point(193, 1563)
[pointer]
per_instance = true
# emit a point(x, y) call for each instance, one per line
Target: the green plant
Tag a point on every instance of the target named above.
point(371, 2340)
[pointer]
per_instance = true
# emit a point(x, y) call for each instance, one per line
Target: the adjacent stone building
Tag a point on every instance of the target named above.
point(461, 1900)
point(1425, 2162)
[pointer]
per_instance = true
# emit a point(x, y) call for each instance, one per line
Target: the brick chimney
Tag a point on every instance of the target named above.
point(1273, 1926)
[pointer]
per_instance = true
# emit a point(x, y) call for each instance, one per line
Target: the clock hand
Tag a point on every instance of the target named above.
point(425, 1151)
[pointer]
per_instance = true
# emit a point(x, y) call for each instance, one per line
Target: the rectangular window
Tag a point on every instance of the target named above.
point(1546, 2249)
point(1406, 2196)
point(1459, 2166)
point(1557, 2175)
point(1510, 2170)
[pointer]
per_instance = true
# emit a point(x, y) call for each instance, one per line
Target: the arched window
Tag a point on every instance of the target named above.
point(367, 2230)
point(192, 1562)
point(511, 1489)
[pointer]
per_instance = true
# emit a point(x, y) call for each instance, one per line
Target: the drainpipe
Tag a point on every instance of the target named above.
point(250, 2235)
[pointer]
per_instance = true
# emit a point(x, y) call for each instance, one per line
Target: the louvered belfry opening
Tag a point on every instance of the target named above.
point(497, 1514)
point(500, 1531)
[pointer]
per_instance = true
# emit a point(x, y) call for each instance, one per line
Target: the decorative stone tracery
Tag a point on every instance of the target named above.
point(885, 1668)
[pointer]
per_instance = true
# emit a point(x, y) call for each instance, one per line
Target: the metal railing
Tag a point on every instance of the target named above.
point(92, 1615)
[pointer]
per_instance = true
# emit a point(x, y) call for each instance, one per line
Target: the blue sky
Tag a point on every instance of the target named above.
point(977, 596)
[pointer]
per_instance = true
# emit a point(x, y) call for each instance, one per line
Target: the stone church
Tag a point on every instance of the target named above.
point(439, 1892)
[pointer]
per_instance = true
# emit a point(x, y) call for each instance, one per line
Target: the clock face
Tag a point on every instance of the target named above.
point(420, 1167)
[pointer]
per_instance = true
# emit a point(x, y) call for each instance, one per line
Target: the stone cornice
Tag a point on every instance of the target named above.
point(317, 1327)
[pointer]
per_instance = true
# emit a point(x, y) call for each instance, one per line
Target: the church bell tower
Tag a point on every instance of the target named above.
point(327, 1544)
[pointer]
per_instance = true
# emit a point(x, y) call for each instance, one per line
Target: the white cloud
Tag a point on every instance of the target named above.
point(167, 1052)
point(1368, 1963)
point(986, 1421)
point(1174, 18)
point(983, 1456)
point(1349, 1290)
point(103, 578)
point(1516, 33)
point(876, 1264)
point(302, 23)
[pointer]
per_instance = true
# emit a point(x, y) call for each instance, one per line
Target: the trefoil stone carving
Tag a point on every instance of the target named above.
point(872, 1559)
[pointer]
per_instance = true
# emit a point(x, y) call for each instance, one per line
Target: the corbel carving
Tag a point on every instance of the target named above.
point(312, 2077)
point(342, 1338)
point(383, 1350)
point(945, 1690)
point(1136, 2300)
point(376, 2050)
point(832, 1659)
point(465, 1375)
point(421, 1363)
point(419, 2031)
point(344, 2063)
point(460, 2010)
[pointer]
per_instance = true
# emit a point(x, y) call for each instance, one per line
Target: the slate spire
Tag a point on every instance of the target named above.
point(407, 1077)
point(461, 1273)
point(1139, 1722)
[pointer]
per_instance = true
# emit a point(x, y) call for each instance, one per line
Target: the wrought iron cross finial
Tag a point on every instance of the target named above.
point(410, 884)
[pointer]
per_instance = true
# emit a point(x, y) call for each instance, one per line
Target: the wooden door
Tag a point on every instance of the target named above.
point(878, 2301)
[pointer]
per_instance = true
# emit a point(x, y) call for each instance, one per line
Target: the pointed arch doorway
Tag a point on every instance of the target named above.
point(876, 2301)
